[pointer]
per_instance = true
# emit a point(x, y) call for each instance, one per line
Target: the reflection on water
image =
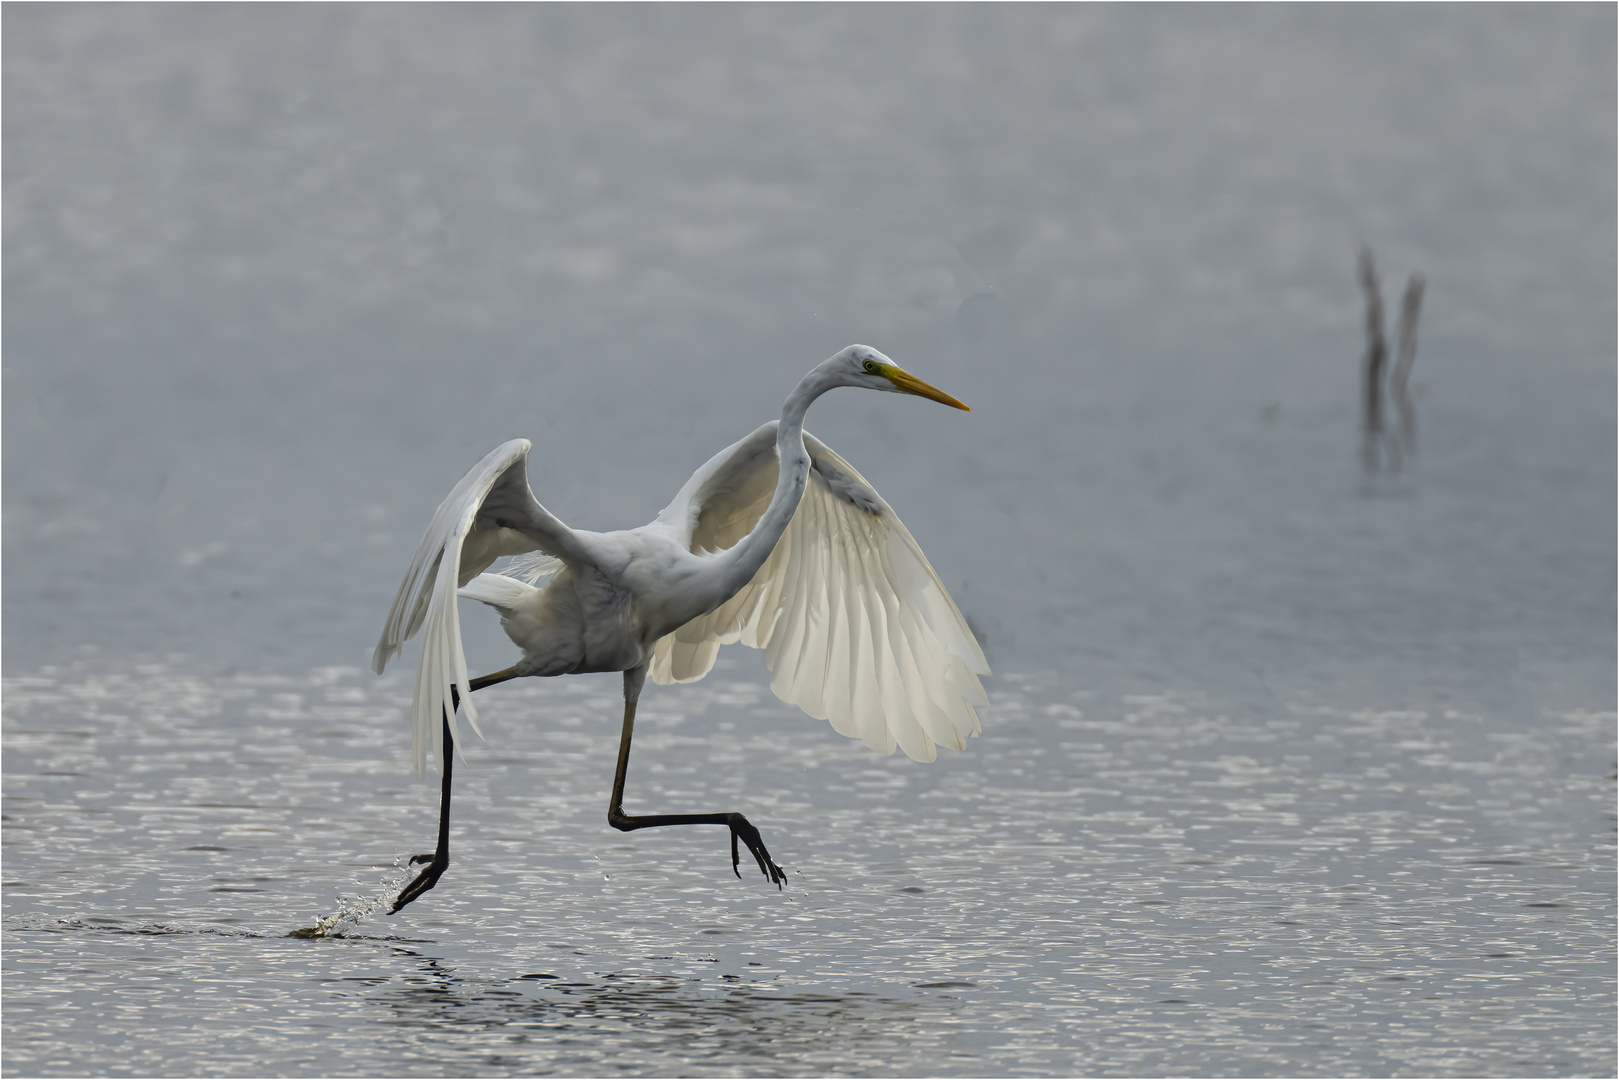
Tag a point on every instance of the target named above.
point(1154, 884)
point(388, 1005)
point(637, 1025)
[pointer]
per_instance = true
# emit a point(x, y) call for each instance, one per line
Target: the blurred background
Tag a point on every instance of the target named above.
point(276, 276)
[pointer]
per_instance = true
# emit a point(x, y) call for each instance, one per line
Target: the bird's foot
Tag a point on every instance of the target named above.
point(741, 828)
point(424, 881)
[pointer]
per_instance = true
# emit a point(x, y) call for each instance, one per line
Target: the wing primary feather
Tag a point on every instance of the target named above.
point(821, 595)
point(784, 651)
point(892, 659)
point(901, 709)
point(787, 657)
point(921, 656)
point(837, 675)
point(865, 695)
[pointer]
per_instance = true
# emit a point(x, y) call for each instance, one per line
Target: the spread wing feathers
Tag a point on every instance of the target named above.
point(855, 624)
point(490, 513)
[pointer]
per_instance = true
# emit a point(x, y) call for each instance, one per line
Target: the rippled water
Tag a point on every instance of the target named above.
point(1289, 768)
point(1145, 885)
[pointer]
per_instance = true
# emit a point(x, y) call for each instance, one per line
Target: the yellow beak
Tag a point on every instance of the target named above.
point(907, 383)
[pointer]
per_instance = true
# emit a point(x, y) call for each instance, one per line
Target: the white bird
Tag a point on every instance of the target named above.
point(775, 542)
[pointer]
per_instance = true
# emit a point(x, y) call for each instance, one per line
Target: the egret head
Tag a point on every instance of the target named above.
point(861, 365)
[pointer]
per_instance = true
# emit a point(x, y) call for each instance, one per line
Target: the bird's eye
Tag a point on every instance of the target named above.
point(871, 365)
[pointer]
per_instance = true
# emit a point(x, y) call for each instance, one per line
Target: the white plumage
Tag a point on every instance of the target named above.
point(776, 542)
point(855, 625)
point(462, 530)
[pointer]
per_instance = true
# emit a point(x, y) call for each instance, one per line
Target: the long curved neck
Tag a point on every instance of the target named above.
point(746, 556)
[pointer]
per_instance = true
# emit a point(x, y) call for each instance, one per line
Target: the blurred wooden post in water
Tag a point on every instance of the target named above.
point(1396, 446)
point(1377, 351)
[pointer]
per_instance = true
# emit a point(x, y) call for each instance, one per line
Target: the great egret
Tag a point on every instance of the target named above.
point(775, 542)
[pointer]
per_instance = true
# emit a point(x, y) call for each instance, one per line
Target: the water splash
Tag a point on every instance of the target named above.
point(351, 913)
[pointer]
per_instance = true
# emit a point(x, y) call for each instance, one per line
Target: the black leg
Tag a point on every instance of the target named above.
point(439, 861)
point(741, 828)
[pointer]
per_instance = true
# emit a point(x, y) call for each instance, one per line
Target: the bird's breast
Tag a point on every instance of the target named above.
point(612, 632)
point(594, 619)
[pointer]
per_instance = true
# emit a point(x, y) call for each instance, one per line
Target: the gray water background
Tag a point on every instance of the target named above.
point(1288, 769)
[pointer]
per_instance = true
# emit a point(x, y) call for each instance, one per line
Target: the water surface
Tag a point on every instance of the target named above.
point(1123, 887)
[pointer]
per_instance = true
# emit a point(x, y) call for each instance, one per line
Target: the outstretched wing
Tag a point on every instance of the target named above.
point(490, 513)
point(855, 624)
